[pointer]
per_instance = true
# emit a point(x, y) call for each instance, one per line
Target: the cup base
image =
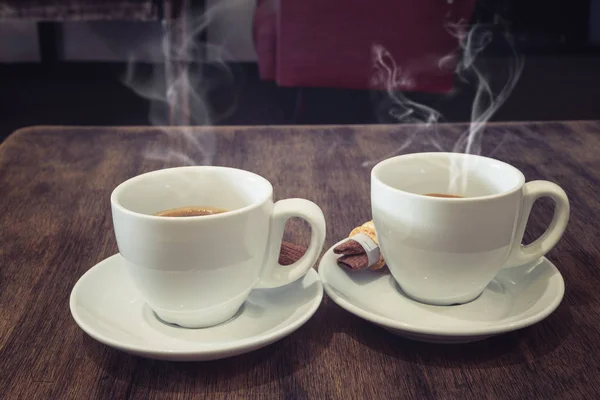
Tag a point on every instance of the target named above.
point(450, 301)
point(192, 320)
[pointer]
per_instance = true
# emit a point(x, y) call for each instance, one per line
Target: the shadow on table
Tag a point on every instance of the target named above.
point(507, 349)
point(270, 364)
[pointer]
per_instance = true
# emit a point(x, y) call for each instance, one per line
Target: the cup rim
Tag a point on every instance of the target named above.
point(382, 164)
point(122, 186)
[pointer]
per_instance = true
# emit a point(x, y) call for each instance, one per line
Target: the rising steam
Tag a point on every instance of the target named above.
point(490, 92)
point(179, 96)
point(487, 100)
point(178, 91)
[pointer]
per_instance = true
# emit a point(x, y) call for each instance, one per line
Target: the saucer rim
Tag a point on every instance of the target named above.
point(219, 351)
point(487, 330)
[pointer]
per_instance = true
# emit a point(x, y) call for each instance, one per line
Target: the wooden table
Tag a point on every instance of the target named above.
point(55, 223)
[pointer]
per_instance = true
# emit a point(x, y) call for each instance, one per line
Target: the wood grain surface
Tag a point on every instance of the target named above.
point(55, 222)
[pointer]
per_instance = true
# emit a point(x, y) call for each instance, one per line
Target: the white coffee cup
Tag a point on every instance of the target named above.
point(445, 251)
point(198, 271)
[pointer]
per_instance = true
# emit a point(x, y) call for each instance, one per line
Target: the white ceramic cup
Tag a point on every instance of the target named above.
point(198, 271)
point(445, 251)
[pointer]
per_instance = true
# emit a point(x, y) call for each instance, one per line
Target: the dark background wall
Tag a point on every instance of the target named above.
point(544, 25)
point(562, 64)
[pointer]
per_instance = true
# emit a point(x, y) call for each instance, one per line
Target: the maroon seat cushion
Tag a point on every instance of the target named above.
point(331, 43)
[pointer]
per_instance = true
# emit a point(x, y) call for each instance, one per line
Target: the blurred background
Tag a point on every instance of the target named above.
point(248, 62)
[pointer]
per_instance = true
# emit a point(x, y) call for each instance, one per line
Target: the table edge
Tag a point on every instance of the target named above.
point(32, 129)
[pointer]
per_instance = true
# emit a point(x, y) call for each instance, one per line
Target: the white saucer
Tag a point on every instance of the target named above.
point(516, 298)
point(106, 305)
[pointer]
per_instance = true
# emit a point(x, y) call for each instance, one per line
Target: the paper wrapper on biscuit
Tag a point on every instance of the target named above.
point(361, 250)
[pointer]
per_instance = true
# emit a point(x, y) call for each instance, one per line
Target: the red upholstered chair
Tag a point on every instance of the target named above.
point(327, 43)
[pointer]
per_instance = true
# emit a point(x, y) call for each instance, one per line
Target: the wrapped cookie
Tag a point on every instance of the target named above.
point(361, 250)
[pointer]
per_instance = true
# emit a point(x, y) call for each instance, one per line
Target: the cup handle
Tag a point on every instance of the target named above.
point(274, 274)
point(532, 191)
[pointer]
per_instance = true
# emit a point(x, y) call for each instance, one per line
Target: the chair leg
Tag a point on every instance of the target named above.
point(50, 41)
point(299, 106)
